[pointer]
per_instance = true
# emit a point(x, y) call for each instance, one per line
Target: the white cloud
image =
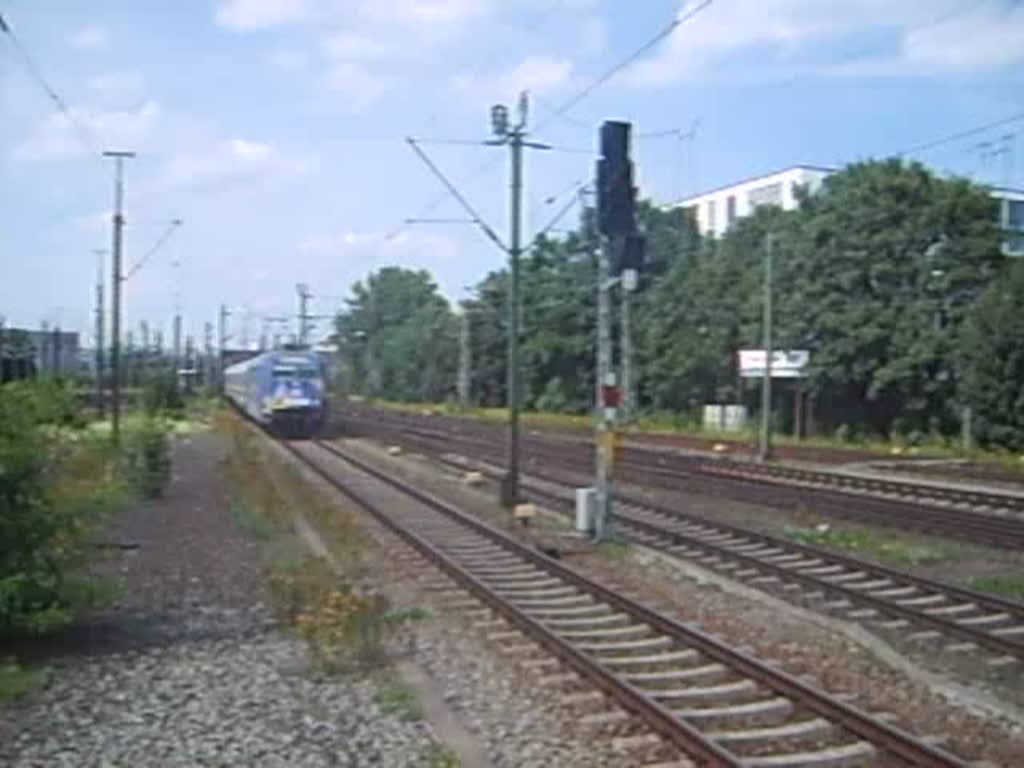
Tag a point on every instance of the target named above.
point(231, 161)
point(289, 60)
point(350, 46)
point(537, 74)
point(415, 13)
point(245, 15)
point(933, 36)
point(358, 84)
point(90, 37)
point(118, 87)
point(94, 223)
point(358, 253)
point(593, 34)
point(56, 137)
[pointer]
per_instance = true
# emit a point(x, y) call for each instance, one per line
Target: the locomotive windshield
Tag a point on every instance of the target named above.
point(300, 372)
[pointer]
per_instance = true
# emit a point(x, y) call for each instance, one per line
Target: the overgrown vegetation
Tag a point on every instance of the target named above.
point(888, 547)
point(16, 680)
point(1006, 584)
point(396, 698)
point(347, 624)
point(58, 485)
point(879, 276)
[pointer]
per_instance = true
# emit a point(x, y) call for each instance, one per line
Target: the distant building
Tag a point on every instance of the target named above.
point(1011, 218)
point(716, 210)
point(54, 353)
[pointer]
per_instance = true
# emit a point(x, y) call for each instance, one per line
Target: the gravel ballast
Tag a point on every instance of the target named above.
point(190, 668)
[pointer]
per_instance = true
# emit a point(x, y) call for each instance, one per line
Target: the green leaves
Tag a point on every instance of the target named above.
point(398, 338)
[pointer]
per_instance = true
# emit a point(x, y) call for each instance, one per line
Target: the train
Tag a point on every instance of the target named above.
point(283, 391)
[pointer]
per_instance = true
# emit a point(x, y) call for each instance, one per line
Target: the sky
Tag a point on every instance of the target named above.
point(275, 129)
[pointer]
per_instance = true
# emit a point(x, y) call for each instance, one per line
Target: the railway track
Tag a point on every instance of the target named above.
point(991, 519)
point(965, 622)
point(715, 704)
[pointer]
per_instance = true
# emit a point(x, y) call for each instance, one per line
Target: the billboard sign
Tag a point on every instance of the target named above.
point(786, 363)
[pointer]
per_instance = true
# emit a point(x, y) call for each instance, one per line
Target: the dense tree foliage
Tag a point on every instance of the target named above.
point(993, 361)
point(875, 275)
point(398, 337)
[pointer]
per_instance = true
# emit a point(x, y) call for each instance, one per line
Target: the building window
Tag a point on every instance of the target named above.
point(711, 215)
point(1013, 223)
point(1015, 214)
point(769, 194)
point(730, 210)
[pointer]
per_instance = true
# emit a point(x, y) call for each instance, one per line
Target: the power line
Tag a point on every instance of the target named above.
point(610, 73)
point(457, 195)
point(961, 135)
point(156, 247)
point(37, 75)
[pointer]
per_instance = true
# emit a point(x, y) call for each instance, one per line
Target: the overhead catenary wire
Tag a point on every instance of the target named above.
point(592, 86)
point(160, 242)
point(36, 74)
point(964, 134)
point(453, 190)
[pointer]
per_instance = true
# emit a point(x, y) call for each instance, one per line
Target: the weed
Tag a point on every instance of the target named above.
point(439, 756)
point(251, 521)
point(1006, 584)
point(614, 550)
point(16, 680)
point(889, 547)
point(396, 698)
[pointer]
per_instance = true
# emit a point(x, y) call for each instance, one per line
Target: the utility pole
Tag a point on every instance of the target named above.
point(207, 353)
point(626, 353)
point(176, 330)
point(465, 361)
point(515, 137)
point(100, 338)
point(115, 280)
point(304, 296)
point(605, 381)
point(146, 350)
point(765, 452)
point(222, 336)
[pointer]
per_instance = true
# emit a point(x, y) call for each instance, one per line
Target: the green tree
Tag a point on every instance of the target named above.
point(887, 262)
point(398, 337)
point(993, 361)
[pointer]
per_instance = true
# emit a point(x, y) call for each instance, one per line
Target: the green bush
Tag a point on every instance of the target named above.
point(148, 457)
point(56, 486)
point(161, 397)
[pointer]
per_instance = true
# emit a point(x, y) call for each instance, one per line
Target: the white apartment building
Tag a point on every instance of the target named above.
point(716, 210)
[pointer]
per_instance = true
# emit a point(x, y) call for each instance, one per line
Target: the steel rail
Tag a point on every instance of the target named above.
point(936, 520)
point(986, 601)
point(889, 738)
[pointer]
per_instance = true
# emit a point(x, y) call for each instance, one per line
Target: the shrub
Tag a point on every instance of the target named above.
point(148, 457)
point(161, 397)
point(56, 487)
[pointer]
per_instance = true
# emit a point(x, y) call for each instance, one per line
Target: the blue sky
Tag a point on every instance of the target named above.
point(274, 128)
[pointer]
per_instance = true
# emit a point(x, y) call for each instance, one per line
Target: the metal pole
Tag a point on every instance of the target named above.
point(222, 338)
point(100, 337)
point(177, 344)
point(115, 281)
point(464, 359)
point(605, 378)
point(766, 383)
point(626, 350)
point(510, 485)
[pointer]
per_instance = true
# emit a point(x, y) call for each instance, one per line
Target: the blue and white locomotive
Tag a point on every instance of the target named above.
point(282, 390)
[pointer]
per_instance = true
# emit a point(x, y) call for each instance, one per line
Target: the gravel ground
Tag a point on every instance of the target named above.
point(801, 648)
point(190, 668)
